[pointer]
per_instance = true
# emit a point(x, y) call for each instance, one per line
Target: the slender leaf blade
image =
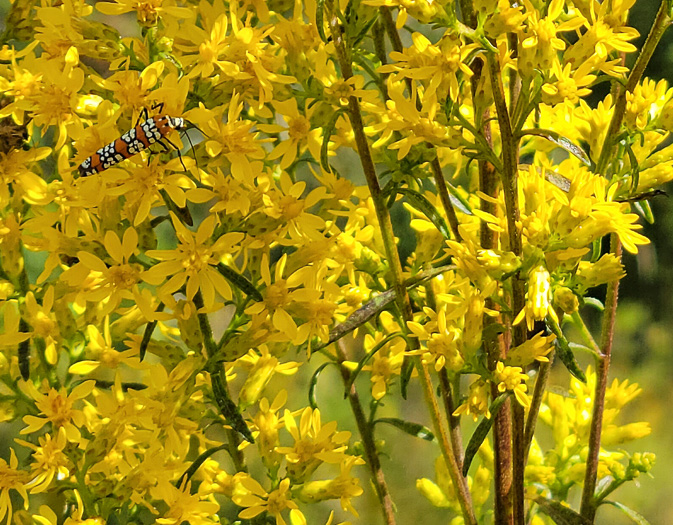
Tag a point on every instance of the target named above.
point(632, 514)
point(561, 514)
point(481, 432)
point(312, 399)
point(409, 427)
point(564, 352)
point(239, 281)
point(561, 142)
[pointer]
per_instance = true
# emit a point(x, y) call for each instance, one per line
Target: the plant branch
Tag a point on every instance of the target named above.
point(444, 197)
point(459, 482)
point(659, 26)
point(588, 506)
point(510, 187)
point(402, 297)
point(367, 435)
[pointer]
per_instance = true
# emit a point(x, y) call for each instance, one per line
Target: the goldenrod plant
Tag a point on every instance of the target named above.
point(381, 202)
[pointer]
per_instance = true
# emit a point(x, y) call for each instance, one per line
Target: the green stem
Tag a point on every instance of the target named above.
point(448, 391)
point(510, 188)
point(443, 191)
point(367, 435)
point(588, 506)
point(218, 379)
point(385, 224)
point(536, 402)
point(659, 26)
point(578, 322)
point(459, 482)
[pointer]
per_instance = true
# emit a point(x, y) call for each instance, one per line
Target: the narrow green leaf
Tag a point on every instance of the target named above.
point(239, 281)
point(147, 335)
point(413, 429)
point(182, 213)
point(558, 180)
point(405, 375)
point(635, 516)
point(320, 20)
point(560, 141)
point(24, 351)
point(422, 204)
point(314, 382)
point(458, 200)
point(364, 32)
point(635, 168)
point(187, 474)
point(227, 407)
point(643, 196)
point(327, 134)
point(597, 304)
point(644, 209)
point(482, 430)
point(564, 352)
point(596, 249)
point(561, 514)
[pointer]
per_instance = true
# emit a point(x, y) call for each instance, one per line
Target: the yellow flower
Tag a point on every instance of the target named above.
point(42, 321)
point(263, 366)
point(204, 50)
point(643, 102)
point(441, 336)
point(15, 173)
point(11, 479)
point(477, 400)
point(344, 487)
point(101, 352)
point(194, 262)
point(511, 378)
point(535, 348)
point(48, 516)
point(314, 444)
point(105, 283)
point(148, 12)
point(416, 126)
point(147, 184)
point(539, 43)
point(195, 509)
point(57, 408)
point(54, 102)
point(287, 205)
point(268, 423)
point(606, 269)
point(538, 298)
point(438, 66)
point(232, 137)
point(257, 500)
point(386, 363)
point(281, 298)
point(301, 134)
point(569, 85)
point(231, 196)
point(49, 461)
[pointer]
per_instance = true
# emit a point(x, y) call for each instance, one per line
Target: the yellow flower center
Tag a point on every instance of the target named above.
point(197, 259)
point(123, 276)
point(298, 128)
point(277, 502)
point(276, 295)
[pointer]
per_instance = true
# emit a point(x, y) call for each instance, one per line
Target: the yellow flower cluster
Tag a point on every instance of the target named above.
point(153, 310)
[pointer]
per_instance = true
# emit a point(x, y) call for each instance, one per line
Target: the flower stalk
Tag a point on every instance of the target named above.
point(368, 443)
